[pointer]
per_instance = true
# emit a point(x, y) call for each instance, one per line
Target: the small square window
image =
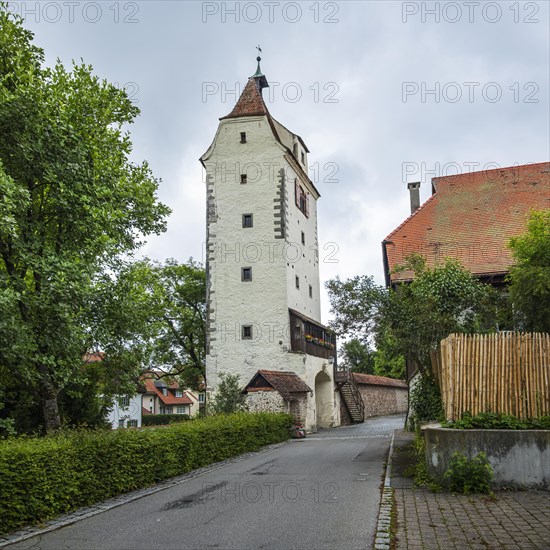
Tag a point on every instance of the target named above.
point(132, 423)
point(297, 281)
point(243, 137)
point(310, 291)
point(303, 238)
point(243, 178)
point(246, 274)
point(247, 332)
point(247, 220)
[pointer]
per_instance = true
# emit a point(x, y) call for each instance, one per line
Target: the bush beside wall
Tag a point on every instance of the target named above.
point(162, 419)
point(45, 477)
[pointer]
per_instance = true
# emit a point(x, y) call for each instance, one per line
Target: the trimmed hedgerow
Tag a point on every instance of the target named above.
point(494, 421)
point(162, 419)
point(45, 477)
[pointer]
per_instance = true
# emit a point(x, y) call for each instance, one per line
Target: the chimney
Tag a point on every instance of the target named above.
point(414, 189)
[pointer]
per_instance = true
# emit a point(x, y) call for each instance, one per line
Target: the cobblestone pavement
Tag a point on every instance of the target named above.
point(512, 520)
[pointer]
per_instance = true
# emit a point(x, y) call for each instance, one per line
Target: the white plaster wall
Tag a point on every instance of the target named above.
point(262, 302)
point(302, 259)
point(132, 412)
point(307, 367)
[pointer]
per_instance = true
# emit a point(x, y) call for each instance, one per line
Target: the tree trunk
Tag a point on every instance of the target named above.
point(48, 396)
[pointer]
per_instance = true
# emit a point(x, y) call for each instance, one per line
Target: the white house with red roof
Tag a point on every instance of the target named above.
point(168, 398)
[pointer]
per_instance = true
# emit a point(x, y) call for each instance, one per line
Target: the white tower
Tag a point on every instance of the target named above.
point(263, 259)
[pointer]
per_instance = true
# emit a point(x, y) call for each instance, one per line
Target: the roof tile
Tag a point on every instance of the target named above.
point(471, 217)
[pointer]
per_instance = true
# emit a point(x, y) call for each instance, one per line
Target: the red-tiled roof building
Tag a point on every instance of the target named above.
point(469, 217)
point(162, 398)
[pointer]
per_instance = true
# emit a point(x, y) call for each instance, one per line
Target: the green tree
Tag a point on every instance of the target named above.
point(530, 275)
point(412, 319)
point(167, 305)
point(358, 357)
point(438, 302)
point(388, 359)
point(229, 397)
point(72, 203)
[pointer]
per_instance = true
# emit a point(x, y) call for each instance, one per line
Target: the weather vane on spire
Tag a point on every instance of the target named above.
point(259, 50)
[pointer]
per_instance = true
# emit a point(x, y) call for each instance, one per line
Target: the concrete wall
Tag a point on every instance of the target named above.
point(382, 400)
point(519, 458)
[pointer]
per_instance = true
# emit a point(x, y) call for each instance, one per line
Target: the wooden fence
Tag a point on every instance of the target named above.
point(505, 373)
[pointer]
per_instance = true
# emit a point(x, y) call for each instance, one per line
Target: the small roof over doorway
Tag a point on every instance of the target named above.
point(288, 384)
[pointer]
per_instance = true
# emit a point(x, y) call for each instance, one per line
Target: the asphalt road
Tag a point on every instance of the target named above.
point(315, 493)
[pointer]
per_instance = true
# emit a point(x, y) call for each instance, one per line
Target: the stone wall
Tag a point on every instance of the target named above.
point(298, 409)
point(266, 401)
point(382, 400)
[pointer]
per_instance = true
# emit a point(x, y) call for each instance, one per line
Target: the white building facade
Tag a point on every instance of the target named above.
point(263, 257)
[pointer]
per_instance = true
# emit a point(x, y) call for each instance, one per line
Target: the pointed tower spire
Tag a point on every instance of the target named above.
point(251, 102)
point(258, 75)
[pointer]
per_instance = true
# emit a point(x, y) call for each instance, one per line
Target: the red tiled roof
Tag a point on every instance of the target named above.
point(250, 103)
point(286, 383)
point(169, 399)
point(93, 357)
point(471, 218)
point(377, 380)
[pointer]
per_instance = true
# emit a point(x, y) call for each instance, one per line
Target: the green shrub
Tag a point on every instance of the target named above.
point(425, 401)
point(419, 470)
point(162, 419)
point(45, 477)
point(467, 475)
point(493, 421)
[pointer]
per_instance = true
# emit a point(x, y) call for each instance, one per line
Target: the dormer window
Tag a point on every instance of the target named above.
point(243, 137)
point(179, 393)
point(164, 391)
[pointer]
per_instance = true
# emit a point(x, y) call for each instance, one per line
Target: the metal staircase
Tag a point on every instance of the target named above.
point(351, 396)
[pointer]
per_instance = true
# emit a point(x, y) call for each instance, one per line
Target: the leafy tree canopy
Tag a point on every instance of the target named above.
point(72, 203)
point(530, 275)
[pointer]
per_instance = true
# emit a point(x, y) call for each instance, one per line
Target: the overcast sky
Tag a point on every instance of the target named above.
point(381, 92)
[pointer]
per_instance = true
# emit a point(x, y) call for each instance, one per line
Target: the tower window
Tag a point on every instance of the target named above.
point(247, 220)
point(243, 137)
point(303, 238)
point(246, 274)
point(246, 332)
point(310, 291)
point(243, 178)
point(303, 158)
point(297, 282)
point(301, 198)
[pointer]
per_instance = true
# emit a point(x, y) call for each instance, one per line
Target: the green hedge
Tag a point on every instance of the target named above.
point(162, 419)
point(494, 421)
point(45, 477)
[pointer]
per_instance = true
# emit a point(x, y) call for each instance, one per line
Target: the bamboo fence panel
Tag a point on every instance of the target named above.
point(506, 373)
